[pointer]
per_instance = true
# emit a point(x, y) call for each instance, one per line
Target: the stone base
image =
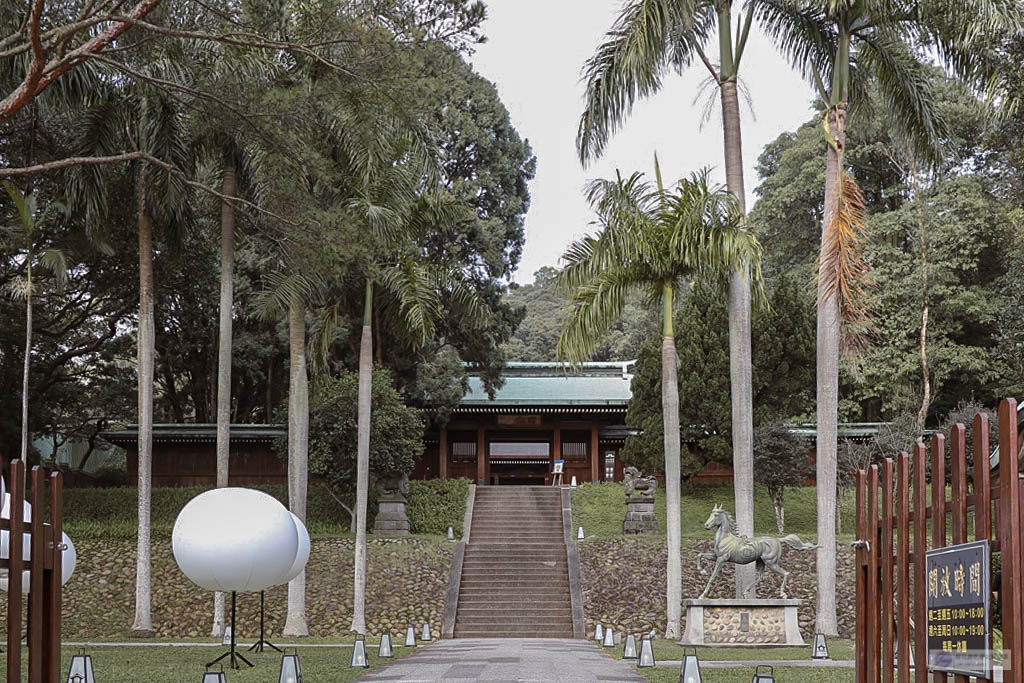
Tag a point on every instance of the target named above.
point(391, 518)
point(640, 517)
point(742, 623)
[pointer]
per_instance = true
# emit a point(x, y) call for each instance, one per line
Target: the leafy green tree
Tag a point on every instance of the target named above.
point(782, 460)
point(653, 240)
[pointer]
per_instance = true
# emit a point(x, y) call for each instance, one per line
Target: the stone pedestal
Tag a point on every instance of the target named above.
point(640, 517)
point(742, 623)
point(391, 518)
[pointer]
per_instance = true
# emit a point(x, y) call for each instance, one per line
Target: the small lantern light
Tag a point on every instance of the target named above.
point(573, 482)
point(359, 659)
point(384, 650)
point(425, 634)
point(599, 633)
point(80, 670)
point(646, 654)
point(410, 637)
point(820, 649)
point(291, 672)
point(451, 534)
point(629, 651)
point(226, 640)
point(652, 635)
point(214, 676)
point(763, 674)
point(579, 534)
point(609, 638)
point(689, 671)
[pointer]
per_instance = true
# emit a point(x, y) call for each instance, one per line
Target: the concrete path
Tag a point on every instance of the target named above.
point(507, 659)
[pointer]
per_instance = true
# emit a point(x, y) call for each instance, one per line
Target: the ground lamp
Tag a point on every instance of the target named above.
point(235, 540)
point(291, 672)
point(609, 638)
point(410, 637)
point(214, 676)
point(451, 534)
point(359, 658)
point(384, 649)
point(646, 654)
point(80, 670)
point(229, 634)
point(763, 674)
point(579, 534)
point(820, 649)
point(689, 670)
point(629, 651)
point(425, 635)
point(599, 633)
point(573, 482)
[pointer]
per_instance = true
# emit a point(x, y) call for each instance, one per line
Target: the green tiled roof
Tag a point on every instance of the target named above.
point(553, 384)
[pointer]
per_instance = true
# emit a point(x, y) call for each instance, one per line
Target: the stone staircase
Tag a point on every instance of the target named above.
point(515, 576)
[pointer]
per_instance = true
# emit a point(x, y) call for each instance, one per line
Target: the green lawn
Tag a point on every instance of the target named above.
point(665, 650)
point(600, 507)
point(671, 675)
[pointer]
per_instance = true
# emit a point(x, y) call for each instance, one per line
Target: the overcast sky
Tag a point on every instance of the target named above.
point(534, 54)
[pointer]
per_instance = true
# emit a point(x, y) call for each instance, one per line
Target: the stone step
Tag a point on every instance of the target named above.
point(511, 555)
point(514, 595)
point(499, 621)
point(548, 603)
point(538, 564)
point(526, 632)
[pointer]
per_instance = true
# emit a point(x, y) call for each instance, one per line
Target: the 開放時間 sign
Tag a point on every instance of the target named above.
point(957, 590)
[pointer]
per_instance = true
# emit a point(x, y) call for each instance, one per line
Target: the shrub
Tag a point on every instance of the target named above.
point(436, 504)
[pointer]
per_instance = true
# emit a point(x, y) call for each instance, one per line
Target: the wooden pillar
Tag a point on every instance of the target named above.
point(481, 456)
point(442, 453)
point(595, 456)
point(556, 445)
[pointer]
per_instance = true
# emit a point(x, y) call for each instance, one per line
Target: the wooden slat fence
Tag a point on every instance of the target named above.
point(896, 526)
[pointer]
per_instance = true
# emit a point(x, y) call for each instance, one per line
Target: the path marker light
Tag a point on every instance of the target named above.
point(451, 534)
point(579, 534)
point(573, 482)
point(80, 670)
point(599, 633)
point(410, 637)
point(226, 639)
point(215, 676)
point(359, 659)
point(291, 672)
point(646, 655)
point(384, 649)
point(689, 670)
point(629, 651)
point(609, 638)
point(763, 674)
point(425, 634)
point(820, 649)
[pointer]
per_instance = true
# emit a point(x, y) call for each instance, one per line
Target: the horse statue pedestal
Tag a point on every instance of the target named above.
point(640, 517)
point(391, 518)
point(742, 622)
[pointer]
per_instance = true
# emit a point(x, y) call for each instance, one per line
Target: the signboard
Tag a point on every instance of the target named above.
point(957, 592)
point(559, 467)
point(521, 420)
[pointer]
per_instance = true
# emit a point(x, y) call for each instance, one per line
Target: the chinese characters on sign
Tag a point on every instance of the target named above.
point(958, 609)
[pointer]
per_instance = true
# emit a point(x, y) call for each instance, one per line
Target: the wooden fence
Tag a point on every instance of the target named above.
point(893, 515)
point(35, 547)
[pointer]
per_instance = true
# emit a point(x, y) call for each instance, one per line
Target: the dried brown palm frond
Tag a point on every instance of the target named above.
point(842, 271)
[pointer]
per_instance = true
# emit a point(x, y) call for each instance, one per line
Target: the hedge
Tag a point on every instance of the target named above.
point(436, 504)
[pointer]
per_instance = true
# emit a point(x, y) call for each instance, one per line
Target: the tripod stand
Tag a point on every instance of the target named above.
point(231, 653)
point(258, 645)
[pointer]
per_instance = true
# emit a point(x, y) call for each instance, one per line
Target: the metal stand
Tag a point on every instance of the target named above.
point(258, 645)
point(231, 653)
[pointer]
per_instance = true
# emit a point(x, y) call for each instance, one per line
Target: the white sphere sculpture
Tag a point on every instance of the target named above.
point(302, 554)
point(234, 539)
point(69, 557)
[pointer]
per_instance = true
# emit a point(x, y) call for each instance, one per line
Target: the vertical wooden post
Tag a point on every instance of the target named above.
point(920, 546)
point(556, 446)
point(14, 565)
point(938, 509)
point(481, 456)
point(595, 456)
point(53, 592)
point(958, 479)
point(861, 566)
point(442, 453)
point(1009, 538)
point(982, 490)
point(872, 591)
point(903, 567)
point(886, 550)
point(37, 545)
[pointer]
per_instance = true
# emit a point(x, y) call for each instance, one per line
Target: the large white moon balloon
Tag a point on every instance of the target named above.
point(69, 558)
point(302, 554)
point(234, 539)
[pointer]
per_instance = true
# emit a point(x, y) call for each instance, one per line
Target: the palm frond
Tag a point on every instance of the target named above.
point(55, 262)
point(283, 287)
point(593, 308)
point(415, 288)
point(803, 33)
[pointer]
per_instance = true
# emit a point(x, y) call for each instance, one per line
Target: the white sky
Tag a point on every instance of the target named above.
point(535, 53)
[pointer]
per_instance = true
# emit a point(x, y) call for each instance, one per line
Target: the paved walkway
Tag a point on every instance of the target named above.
point(507, 659)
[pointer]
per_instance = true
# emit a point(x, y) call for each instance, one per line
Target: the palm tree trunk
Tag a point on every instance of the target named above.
point(926, 385)
point(828, 401)
point(227, 264)
point(363, 462)
point(28, 364)
point(298, 454)
point(740, 359)
point(143, 625)
point(670, 416)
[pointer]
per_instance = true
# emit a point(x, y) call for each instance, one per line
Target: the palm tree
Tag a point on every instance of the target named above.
point(649, 38)
point(654, 240)
point(841, 46)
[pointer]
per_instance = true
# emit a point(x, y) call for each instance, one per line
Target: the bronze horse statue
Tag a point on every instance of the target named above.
point(766, 551)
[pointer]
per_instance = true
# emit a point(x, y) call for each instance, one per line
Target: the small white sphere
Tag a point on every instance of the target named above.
point(302, 554)
point(69, 558)
point(234, 539)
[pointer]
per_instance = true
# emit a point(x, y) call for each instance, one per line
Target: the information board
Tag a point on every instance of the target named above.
point(958, 595)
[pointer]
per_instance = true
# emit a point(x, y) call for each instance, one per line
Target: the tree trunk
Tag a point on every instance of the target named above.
point(740, 359)
point(298, 454)
point(227, 264)
point(778, 502)
point(363, 462)
point(828, 402)
point(926, 384)
point(28, 365)
point(143, 624)
point(670, 416)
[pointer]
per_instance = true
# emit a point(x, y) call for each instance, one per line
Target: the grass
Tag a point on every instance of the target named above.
point(599, 508)
point(669, 650)
point(671, 675)
point(186, 664)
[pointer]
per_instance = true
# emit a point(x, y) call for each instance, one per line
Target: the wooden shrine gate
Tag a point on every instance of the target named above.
point(44, 548)
point(893, 515)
